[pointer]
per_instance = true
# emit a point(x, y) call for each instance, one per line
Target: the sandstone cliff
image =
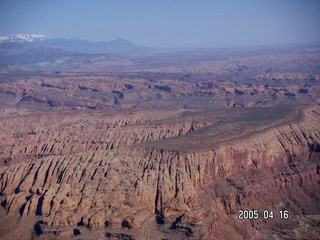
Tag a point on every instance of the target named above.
point(122, 172)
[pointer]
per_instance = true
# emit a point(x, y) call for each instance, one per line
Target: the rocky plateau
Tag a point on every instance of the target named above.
point(181, 173)
point(170, 145)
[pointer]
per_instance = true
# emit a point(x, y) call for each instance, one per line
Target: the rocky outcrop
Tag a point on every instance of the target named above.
point(195, 192)
point(48, 90)
point(68, 134)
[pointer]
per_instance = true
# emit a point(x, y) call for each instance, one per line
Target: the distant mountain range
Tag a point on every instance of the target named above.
point(37, 51)
point(23, 38)
point(18, 43)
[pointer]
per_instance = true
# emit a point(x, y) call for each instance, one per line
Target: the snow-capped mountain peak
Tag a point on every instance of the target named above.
point(23, 38)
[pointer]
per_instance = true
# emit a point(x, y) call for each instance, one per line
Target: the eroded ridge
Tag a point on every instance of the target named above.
point(161, 174)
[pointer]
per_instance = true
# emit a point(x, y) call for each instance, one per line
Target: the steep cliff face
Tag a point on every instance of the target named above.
point(39, 135)
point(144, 181)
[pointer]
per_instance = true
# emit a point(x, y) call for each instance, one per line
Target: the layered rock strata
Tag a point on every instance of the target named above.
point(123, 172)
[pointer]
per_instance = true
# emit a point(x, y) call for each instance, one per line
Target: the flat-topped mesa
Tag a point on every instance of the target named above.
point(280, 158)
point(229, 126)
point(63, 133)
point(197, 191)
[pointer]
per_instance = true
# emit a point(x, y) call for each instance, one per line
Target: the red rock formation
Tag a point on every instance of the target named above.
point(194, 186)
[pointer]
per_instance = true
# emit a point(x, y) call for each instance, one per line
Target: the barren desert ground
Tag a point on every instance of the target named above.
point(163, 144)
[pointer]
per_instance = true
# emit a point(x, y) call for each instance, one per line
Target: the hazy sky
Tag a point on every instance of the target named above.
point(168, 23)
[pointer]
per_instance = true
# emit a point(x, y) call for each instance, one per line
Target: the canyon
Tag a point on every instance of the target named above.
point(181, 173)
point(170, 145)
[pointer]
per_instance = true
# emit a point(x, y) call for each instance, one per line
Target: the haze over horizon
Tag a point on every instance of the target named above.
point(166, 23)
